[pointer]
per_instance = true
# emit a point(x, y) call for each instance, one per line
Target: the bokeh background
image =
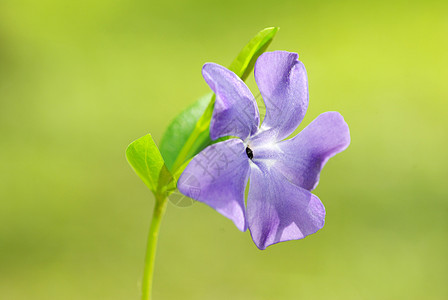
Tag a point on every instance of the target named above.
point(80, 80)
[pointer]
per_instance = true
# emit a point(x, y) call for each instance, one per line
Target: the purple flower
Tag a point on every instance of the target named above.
point(280, 206)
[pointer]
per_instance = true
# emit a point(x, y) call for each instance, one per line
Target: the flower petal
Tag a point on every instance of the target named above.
point(301, 158)
point(217, 176)
point(283, 84)
point(236, 112)
point(278, 210)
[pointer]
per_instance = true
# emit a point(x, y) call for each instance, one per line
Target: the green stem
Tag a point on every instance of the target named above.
point(159, 211)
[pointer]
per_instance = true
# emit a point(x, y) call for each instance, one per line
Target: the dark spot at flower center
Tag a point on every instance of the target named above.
point(249, 153)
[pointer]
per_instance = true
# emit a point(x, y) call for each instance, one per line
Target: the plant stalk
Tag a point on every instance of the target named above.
point(159, 212)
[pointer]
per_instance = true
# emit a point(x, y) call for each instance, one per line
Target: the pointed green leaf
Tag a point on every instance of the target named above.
point(177, 133)
point(144, 157)
point(188, 133)
point(245, 61)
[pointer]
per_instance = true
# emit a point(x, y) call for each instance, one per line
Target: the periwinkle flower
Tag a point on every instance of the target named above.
point(280, 206)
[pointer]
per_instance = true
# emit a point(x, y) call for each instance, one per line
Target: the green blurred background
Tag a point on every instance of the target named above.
point(80, 80)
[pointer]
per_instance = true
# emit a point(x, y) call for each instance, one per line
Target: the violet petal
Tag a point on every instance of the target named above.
point(283, 84)
point(217, 176)
point(278, 210)
point(236, 112)
point(301, 158)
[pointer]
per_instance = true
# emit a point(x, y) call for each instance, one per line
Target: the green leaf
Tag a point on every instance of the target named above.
point(188, 133)
point(144, 157)
point(177, 133)
point(245, 61)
